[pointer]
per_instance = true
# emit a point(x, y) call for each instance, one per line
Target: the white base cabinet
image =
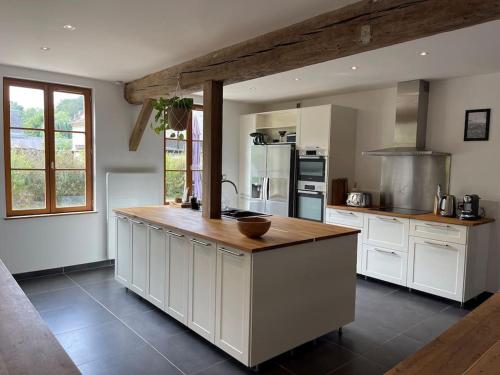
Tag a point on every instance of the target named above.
point(157, 257)
point(177, 277)
point(385, 264)
point(123, 261)
point(139, 241)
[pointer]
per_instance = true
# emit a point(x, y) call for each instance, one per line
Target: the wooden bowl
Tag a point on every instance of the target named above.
point(253, 227)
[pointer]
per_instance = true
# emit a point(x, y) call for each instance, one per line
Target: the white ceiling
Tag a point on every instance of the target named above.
point(474, 50)
point(126, 39)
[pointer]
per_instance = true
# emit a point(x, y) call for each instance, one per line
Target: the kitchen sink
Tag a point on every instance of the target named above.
point(235, 213)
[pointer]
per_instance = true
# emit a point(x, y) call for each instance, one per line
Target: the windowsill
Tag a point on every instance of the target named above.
point(49, 215)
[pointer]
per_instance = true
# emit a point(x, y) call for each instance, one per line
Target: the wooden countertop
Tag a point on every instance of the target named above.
point(285, 231)
point(26, 344)
point(470, 346)
point(423, 217)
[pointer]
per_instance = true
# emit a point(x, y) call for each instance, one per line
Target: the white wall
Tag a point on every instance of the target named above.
point(474, 164)
point(48, 242)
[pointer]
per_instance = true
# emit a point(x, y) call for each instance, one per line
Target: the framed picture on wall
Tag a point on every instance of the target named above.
point(477, 125)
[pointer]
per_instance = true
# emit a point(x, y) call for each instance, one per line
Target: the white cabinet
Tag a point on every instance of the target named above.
point(176, 293)
point(436, 267)
point(287, 118)
point(233, 302)
point(386, 231)
point(155, 291)
point(201, 305)
point(139, 241)
point(385, 264)
point(315, 127)
point(439, 231)
point(123, 251)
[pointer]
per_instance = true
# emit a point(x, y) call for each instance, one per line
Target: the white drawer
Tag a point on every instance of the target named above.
point(344, 217)
point(385, 264)
point(386, 231)
point(439, 231)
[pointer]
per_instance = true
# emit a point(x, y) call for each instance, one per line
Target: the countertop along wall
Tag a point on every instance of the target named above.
point(48, 242)
point(474, 164)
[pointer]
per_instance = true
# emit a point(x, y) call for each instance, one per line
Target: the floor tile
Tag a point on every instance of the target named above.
point(372, 288)
point(155, 326)
point(45, 284)
point(58, 299)
point(75, 317)
point(141, 360)
point(99, 341)
point(232, 367)
point(360, 366)
point(190, 352)
point(436, 324)
point(418, 302)
point(92, 276)
point(393, 351)
point(320, 358)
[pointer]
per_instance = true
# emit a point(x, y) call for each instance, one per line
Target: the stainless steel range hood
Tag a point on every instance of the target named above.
point(411, 122)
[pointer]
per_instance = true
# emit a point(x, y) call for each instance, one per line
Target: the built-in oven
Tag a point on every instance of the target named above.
point(311, 166)
point(310, 201)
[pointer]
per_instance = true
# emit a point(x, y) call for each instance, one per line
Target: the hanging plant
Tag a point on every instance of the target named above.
point(171, 114)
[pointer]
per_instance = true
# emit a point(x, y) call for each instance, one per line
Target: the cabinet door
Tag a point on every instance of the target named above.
point(176, 293)
point(315, 127)
point(123, 251)
point(345, 218)
point(386, 231)
point(359, 255)
point(156, 266)
point(439, 231)
point(247, 126)
point(437, 267)
point(201, 305)
point(385, 264)
point(233, 302)
point(139, 242)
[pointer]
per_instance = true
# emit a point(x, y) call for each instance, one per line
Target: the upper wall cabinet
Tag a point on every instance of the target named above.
point(277, 119)
point(314, 130)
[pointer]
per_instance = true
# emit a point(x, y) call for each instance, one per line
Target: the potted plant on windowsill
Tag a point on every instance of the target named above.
point(171, 114)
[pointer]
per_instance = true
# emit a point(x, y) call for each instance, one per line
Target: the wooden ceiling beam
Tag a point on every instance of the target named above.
point(140, 125)
point(359, 27)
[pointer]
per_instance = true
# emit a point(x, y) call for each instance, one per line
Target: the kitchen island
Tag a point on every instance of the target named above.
point(253, 298)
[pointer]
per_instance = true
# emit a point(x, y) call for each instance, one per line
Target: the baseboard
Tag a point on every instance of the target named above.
point(60, 270)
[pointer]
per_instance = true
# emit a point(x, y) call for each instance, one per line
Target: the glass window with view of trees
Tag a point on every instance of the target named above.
point(184, 159)
point(47, 148)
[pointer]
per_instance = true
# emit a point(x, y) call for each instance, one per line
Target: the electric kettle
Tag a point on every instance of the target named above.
point(447, 205)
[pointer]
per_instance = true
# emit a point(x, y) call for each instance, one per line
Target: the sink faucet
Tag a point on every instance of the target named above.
point(224, 179)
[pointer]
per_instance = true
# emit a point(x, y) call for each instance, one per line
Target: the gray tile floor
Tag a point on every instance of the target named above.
point(106, 330)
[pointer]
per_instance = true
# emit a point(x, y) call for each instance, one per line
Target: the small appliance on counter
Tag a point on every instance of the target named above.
point(291, 137)
point(447, 205)
point(259, 138)
point(469, 207)
point(359, 199)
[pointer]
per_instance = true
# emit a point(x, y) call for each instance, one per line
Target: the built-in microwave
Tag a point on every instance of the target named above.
point(311, 166)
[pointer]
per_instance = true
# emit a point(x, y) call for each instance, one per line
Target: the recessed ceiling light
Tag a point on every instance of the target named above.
point(354, 67)
point(45, 48)
point(296, 79)
point(69, 27)
point(118, 82)
point(424, 53)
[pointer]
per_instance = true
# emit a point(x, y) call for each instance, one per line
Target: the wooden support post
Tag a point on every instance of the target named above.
point(212, 149)
point(140, 125)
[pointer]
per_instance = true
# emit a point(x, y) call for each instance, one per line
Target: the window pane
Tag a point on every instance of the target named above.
point(197, 155)
point(174, 185)
point(26, 108)
point(198, 125)
point(175, 154)
point(70, 150)
point(28, 190)
point(172, 134)
point(70, 188)
point(197, 184)
point(27, 149)
point(69, 111)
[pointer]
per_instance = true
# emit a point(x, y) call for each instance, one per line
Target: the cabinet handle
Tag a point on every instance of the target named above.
point(231, 252)
point(387, 218)
point(437, 225)
point(122, 217)
point(137, 222)
point(346, 213)
point(153, 227)
point(446, 246)
point(201, 242)
point(385, 251)
point(175, 234)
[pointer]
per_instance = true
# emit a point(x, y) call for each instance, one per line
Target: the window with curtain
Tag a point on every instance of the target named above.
point(184, 159)
point(48, 148)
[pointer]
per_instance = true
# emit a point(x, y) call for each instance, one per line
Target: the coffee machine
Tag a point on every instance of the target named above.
point(469, 208)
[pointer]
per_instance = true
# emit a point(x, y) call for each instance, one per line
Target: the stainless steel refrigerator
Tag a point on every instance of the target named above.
point(272, 179)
